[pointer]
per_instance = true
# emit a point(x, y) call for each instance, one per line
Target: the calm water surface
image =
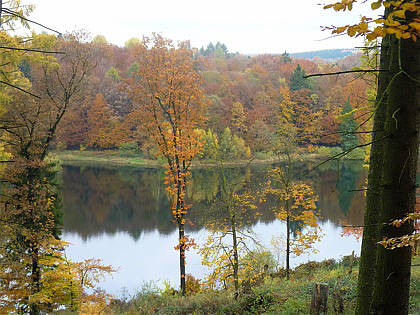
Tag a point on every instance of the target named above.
point(123, 217)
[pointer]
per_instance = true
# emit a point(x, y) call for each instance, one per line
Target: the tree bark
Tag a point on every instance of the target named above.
point(288, 244)
point(391, 289)
point(235, 257)
point(36, 278)
point(319, 299)
point(182, 258)
point(374, 189)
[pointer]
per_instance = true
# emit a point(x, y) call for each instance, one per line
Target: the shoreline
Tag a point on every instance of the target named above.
point(114, 159)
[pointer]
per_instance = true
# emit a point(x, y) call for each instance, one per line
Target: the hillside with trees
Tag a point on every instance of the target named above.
point(252, 96)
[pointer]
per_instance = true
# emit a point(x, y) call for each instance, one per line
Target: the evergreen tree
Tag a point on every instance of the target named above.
point(286, 57)
point(219, 53)
point(225, 49)
point(297, 80)
point(347, 127)
point(210, 49)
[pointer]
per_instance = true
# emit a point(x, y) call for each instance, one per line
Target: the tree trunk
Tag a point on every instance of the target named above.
point(374, 189)
point(319, 299)
point(36, 277)
point(235, 259)
point(182, 258)
point(287, 242)
point(391, 290)
point(180, 222)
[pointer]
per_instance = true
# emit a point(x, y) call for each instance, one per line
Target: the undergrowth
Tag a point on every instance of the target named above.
point(273, 295)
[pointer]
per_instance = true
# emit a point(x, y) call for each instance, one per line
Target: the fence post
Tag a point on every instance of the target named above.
point(319, 299)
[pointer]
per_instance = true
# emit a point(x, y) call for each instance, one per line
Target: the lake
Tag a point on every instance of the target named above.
point(123, 216)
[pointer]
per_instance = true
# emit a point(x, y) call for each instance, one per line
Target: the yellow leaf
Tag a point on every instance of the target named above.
point(394, 30)
point(363, 26)
point(405, 35)
point(376, 5)
point(399, 13)
point(371, 36)
point(415, 25)
point(341, 29)
point(351, 31)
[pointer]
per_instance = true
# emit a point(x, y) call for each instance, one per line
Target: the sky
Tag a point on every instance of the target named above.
point(246, 26)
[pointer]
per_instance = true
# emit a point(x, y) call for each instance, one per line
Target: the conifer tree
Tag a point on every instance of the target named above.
point(297, 80)
point(348, 127)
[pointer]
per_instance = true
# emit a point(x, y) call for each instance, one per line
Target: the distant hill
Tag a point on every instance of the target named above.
point(327, 54)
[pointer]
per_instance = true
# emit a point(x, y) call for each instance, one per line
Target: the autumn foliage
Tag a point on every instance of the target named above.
point(171, 106)
point(250, 96)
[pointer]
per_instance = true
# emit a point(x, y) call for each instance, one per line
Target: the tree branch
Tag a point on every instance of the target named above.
point(341, 154)
point(34, 50)
point(8, 11)
point(20, 89)
point(344, 72)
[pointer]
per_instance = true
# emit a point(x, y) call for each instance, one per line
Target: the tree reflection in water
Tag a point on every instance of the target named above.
point(110, 200)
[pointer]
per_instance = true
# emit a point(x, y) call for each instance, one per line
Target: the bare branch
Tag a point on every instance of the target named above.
point(344, 72)
point(20, 89)
point(341, 154)
point(34, 50)
point(8, 11)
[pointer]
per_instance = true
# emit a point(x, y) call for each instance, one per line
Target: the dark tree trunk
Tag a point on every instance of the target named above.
point(182, 258)
point(374, 191)
point(391, 290)
point(235, 258)
point(36, 278)
point(288, 245)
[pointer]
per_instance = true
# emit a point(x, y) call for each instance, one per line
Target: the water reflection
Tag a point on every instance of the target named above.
point(122, 215)
point(103, 200)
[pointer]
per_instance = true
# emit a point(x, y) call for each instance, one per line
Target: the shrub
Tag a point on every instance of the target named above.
point(294, 305)
point(226, 146)
point(327, 151)
point(192, 284)
point(129, 149)
point(356, 154)
point(263, 155)
point(261, 300)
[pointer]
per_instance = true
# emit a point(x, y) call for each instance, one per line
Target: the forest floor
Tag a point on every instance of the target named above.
point(270, 295)
point(114, 158)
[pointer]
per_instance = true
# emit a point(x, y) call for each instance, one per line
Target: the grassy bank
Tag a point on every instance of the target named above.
point(114, 158)
point(103, 158)
point(271, 295)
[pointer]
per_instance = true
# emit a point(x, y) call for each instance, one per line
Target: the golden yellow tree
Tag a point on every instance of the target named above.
point(171, 107)
point(238, 118)
point(295, 203)
point(229, 240)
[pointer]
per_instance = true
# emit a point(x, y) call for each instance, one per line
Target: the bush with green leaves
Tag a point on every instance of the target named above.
point(129, 149)
point(356, 154)
point(226, 146)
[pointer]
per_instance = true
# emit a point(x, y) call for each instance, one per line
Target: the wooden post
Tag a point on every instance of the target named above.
point(319, 299)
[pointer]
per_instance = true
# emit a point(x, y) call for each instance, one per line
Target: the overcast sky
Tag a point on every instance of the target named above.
point(246, 26)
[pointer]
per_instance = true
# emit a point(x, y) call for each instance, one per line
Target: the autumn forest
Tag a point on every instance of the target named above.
point(214, 149)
